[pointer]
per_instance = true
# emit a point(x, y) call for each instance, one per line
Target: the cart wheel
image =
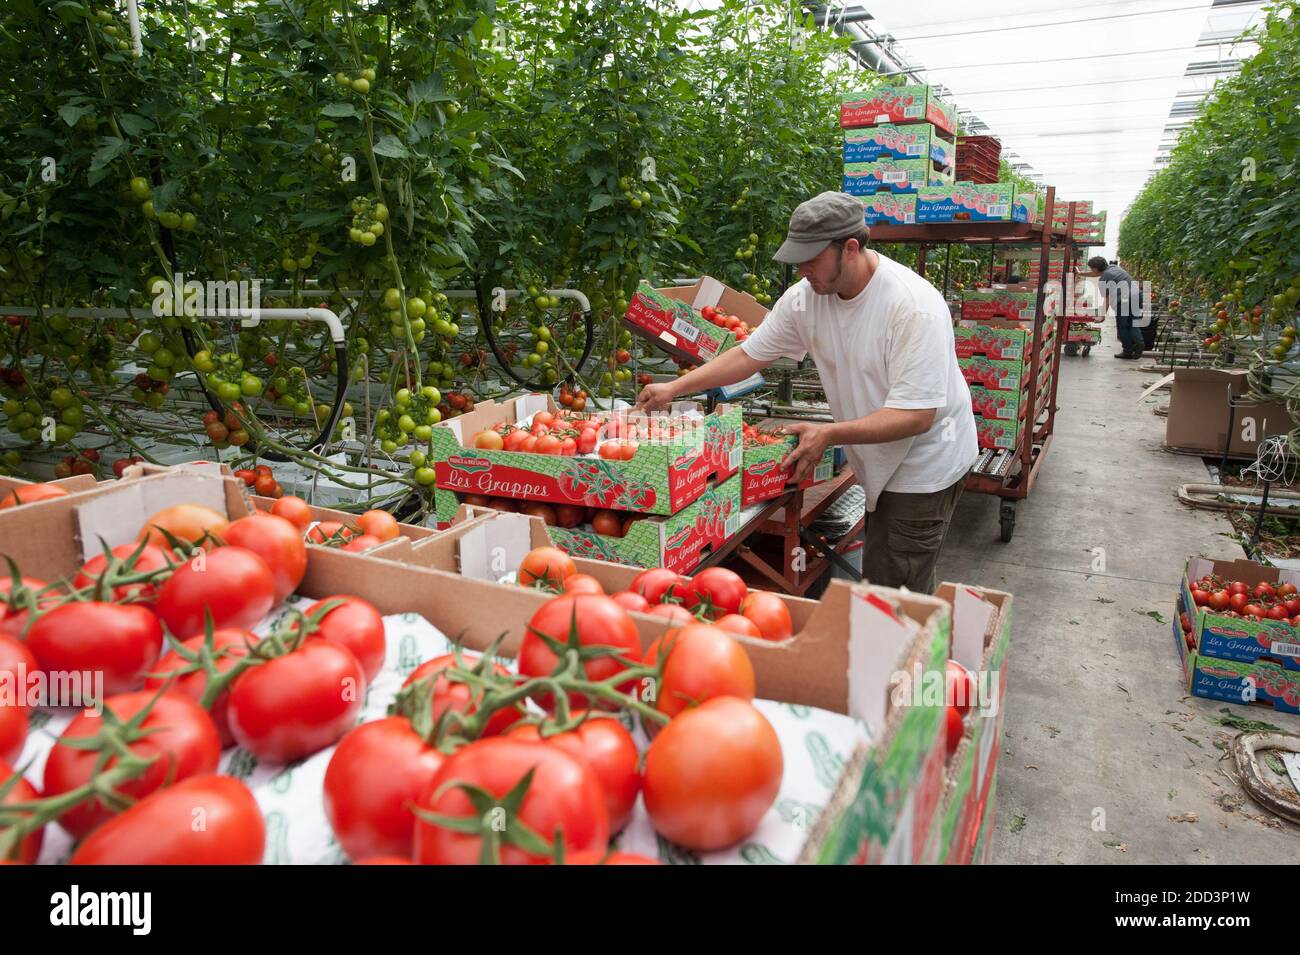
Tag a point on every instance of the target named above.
point(1087, 350)
point(1007, 518)
point(1071, 348)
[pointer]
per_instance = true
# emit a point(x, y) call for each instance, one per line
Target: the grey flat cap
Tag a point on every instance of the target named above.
point(815, 223)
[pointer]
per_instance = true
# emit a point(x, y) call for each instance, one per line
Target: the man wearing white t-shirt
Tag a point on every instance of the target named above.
point(881, 337)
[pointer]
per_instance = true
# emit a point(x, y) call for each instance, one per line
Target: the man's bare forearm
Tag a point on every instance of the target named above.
point(728, 368)
point(880, 427)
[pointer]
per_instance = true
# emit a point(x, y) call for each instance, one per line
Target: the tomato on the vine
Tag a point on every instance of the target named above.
point(357, 625)
point(703, 662)
point(21, 791)
point(150, 558)
point(228, 645)
point(548, 566)
point(278, 542)
point(598, 622)
point(177, 731)
point(120, 641)
point(232, 584)
point(563, 800)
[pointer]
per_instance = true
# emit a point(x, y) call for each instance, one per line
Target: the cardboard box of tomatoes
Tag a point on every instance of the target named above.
point(889, 141)
point(763, 476)
point(675, 320)
point(1265, 683)
point(889, 209)
point(971, 202)
point(1242, 611)
point(1001, 341)
point(14, 489)
point(981, 640)
point(845, 655)
point(982, 304)
point(897, 176)
point(678, 542)
point(899, 104)
point(636, 462)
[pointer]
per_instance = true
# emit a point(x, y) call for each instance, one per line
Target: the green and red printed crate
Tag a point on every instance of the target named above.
point(1238, 659)
point(670, 318)
point(886, 208)
point(983, 304)
point(993, 433)
point(763, 477)
point(890, 103)
point(678, 542)
point(889, 141)
point(975, 202)
point(1001, 343)
point(661, 478)
point(899, 176)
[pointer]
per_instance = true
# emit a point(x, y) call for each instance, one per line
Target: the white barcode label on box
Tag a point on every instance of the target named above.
point(824, 472)
point(882, 118)
point(909, 218)
point(915, 149)
point(914, 112)
point(1286, 649)
point(732, 526)
point(896, 175)
point(1028, 312)
point(684, 328)
point(1000, 210)
point(1007, 384)
point(1012, 352)
point(733, 460)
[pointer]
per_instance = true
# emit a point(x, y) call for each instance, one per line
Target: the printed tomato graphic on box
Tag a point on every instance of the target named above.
point(888, 208)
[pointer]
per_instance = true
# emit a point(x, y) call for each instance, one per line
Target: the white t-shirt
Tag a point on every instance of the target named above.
point(891, 346)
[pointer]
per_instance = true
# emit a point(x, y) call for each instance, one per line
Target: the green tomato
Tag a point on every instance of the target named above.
point(376, 229)
point(368, 74)
point(436, 415)
point(425, 476)
point(422, 432)
point(433, 395)
point(250, 385)
point(228, 391)
point(61, 398)
point(361, 85)
point(392, 299)
point(24, 420)
point(149, 343)
point(140, 188)
point(64, 433)
point(380, 212)
point(403, 397)
point(169, 220)
point(417, 459)
point(189, 222)
point(164, 358)
point(544, 334)
point(13, 407)
point(416, 307)
point(147, 208)
point(388, 447)
point(367, 239)
point(406, 423)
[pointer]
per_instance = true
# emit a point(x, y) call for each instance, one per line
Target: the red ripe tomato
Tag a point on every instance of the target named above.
point(604, 745)
point(536, 509)
point(22, 791)
point(1293, 606)
point(182, 736)
point(738, 624)
point(1200, 597)
point(1237, 602)
point(720, 590)
point(191, 679)
point(627, 450)
point(528, 445)
point(544, 418)
point(676, 616)
point(1286, 590)
point(384, 860)
point(1276, 613)
point(30, 494)
point(233, 584)
point(161, 830)
point(564, 800)
point(453, 695)
point(587, 439)
point(151, 558)
point(489, 441)
point(548, 566)
point(631, 601)
point(378, 523)
point(1253, 610)
point(599, 622)
point(515, 439)
point(1263, 590)
point(330, 531)
point(569, 515)
point(361, 544)
point(187, 522)
point(17, 660)
point(568, 447)
point(607, 524)
point(1236, 587)
point(13, 731)
point(297, 704)
point(653, 584)
point(1219, 600)
point(357, 625)
point(375, 776)
point(770, 615)
point(961, 687)
point(548, 444)
point(703, 662)
point(955, 728)
point(583, 584)
point(294, 510)
point(121, 641)
point(278, 542)
point(610, 451)
point(712, 774)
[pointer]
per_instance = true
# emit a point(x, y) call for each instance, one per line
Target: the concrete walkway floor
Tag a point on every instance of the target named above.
point(1105, 757)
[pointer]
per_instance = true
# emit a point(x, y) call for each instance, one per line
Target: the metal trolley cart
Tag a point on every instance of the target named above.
point(1009, 467)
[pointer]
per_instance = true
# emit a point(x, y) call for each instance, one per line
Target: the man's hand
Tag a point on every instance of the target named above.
point(813, 440)
point(656, 396)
